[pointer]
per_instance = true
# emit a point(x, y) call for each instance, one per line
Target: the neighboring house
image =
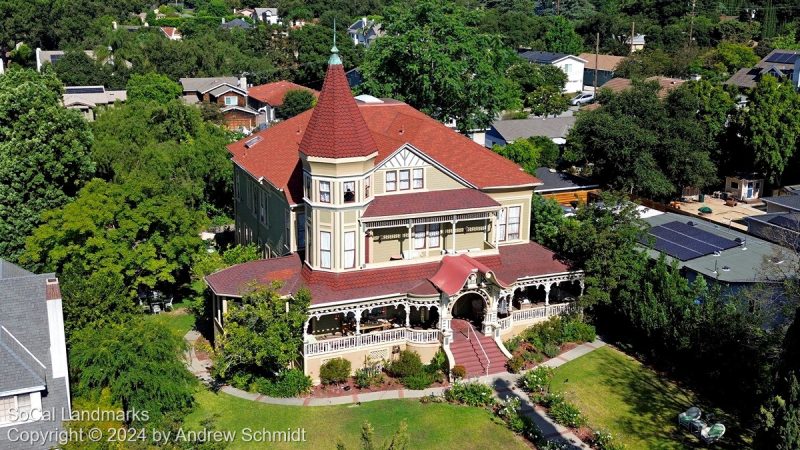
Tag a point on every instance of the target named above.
point(267, 98)
point(666, 84)
point(229, 93)
point(505, 132)
point(744, 187)
point(564, 187)
point(34, 377)
point(267, 15)
point(171, 33)
point(782, 64)
point(236, 23)
point(244, 12)
point(402, 230)
point(2, 66)
point(354, 77)
point(782, 228)
point(635, 44)
point(569, 64)
point(784, 203)
point(90, 99)
point(364, 31)
point(721, 255)
point(606, 65)
point(51, 56)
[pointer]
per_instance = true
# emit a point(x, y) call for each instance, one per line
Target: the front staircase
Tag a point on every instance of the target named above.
point(475, 357)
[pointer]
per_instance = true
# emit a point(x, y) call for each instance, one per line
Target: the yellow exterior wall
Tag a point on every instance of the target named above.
point(357, 357)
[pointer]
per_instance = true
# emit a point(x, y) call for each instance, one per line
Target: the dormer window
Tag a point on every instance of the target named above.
point(405, 180)
point(325, 191)
point(231, 100)
point(391, 181)
point(349, 191)
point(418, 179)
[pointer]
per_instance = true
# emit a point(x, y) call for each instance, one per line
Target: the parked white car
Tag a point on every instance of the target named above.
point(582, 99)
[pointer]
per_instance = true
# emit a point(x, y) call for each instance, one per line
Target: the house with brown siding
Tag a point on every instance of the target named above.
point(229, 94)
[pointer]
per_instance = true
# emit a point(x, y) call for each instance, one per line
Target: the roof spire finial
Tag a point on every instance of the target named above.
point(334, 59)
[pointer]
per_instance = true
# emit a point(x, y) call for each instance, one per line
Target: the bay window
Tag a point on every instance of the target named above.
point(501, 225)
point(367, 185)
point(325, 249)
point(514, 213)
point(349, 191)
point(324, 191)
point(349, 249)
point(301, 230)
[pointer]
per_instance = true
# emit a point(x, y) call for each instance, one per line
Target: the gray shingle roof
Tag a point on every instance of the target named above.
point(787, 201)
point(560, 181)
point(206, 84)
point(542, 57)
point(552, 127)
point(17, 371)
point(748, 77)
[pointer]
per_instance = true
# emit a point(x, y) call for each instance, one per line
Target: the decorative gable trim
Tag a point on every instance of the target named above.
point(408, 154)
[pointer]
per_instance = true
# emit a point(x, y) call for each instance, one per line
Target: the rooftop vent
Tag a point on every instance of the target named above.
point(690, 223)
point(726, 269)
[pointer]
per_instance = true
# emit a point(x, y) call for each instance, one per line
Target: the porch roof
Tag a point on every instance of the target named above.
point(428, 202)
point(512, 263)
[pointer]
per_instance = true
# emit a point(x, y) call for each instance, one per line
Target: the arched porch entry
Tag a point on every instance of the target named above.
point(472, 307)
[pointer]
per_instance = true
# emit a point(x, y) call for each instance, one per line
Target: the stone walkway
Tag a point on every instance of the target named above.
point(505, 385)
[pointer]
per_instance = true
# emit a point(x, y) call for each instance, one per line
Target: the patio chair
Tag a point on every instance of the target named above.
point(713, 433)
point(686, 418)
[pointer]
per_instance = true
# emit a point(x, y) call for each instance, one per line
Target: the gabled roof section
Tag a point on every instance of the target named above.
point(455, 270)
point(336, 128)
point(273, 93)
point(428, 202)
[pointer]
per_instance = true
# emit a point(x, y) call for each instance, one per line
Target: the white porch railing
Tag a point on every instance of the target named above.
point(541, 312)
point(504, 323)
point(395, 335)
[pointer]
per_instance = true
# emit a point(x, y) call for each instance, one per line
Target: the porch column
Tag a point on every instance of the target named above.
point(547, 293)
point(358, 321)
point(453, 222)
point(305, 328)
point(582, 287)
point(410, 239)
point(407, 309)
point(494, 230)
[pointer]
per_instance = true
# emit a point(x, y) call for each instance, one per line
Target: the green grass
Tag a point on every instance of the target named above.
point(179, 321)
point(431, 426)
point(637, 405)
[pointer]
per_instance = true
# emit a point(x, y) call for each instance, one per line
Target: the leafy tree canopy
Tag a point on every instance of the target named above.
point(530, 153)
point(435, 58)
point(152, 87)
point(295, 102)
point(44, 154)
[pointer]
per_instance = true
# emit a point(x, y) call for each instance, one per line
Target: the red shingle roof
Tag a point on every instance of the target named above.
point(273, 93)
point(513, 262)
point(336, 128)
point(455, 270)
point(392, 124)
point(427, 202)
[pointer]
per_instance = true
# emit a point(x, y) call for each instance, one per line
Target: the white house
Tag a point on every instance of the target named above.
point(569, 64)
point(267, 15)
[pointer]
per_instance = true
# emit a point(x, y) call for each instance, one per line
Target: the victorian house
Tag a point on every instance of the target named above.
point(408, 234)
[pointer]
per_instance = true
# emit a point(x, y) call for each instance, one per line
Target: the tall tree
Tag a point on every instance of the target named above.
point(152, 87)
point(295, 102)
point(770, 126)
point(434, 58)
point(44, 154)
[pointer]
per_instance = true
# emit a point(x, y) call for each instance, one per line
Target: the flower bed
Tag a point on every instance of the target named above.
point(546, 340)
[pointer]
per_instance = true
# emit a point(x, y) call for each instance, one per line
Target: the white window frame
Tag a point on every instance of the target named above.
point(263, 208)
point(307, 186)
point(434, 235)
point(325, 194)
point(367, 186)
point(352, 185)
point(407, 181)
point(391, 185)
point(421, 178)
point(231, 97)
point(419, 237)
point(513, 224)
point(325, 245)
point(349, 252)
point(501, 225)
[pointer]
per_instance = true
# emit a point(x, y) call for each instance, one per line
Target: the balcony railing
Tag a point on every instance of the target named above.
point(396, 335)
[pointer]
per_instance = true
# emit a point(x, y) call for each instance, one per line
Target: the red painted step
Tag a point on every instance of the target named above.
point(469, 354)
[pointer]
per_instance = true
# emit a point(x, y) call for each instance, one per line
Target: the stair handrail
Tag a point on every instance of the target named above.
point(469, 327)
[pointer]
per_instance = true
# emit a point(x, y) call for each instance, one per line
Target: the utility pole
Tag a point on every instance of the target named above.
point(596, 61)
point(691, 22)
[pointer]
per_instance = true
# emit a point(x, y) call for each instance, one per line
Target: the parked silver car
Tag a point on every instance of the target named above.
point(582, 99)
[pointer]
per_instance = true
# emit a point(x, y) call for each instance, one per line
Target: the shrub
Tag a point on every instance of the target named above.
point(538, 379)
point(459, 372)
point(551, 398)
point(418, 381)
point(533, 357)
point(603, 440)
point(515, 364)
point(337, 370)
point(509, 411)
point(551, 350)
point(289, 383)
point(471, 394)
point(567, 414)
point(367, 377)
point(513, 343)
point(407, 364)
point(577, 331)
point(439, 362)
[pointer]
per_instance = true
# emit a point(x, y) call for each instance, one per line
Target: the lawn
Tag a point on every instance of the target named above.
point(431, 426)
point(637, 405)
point(179, 320)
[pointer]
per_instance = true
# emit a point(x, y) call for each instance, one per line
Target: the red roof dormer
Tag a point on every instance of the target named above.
point(336, 128)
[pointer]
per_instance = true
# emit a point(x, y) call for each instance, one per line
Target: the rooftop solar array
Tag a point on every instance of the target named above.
point(685, 242)
point(84, 90)
point(788, 221)
point(783, 58)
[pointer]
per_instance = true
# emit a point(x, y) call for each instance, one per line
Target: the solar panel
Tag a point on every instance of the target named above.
point(84, 90)
point(783, 58)
point(790, 221)
point(685, 242)
point(252, 141)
